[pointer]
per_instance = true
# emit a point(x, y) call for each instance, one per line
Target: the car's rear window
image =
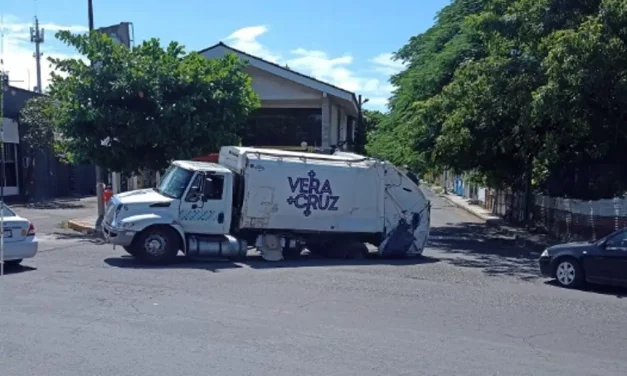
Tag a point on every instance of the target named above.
point(6, 212)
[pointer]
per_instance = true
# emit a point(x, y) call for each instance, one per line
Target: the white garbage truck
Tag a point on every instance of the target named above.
point(279, 202)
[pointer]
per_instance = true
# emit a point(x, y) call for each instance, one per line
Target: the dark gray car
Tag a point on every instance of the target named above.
point(602, 262)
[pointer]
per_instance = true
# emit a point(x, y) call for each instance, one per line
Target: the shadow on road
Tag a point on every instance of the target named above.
point(256, 262)
point(494, 250)
point(619, 292)
point(17, 269)
point(93, 238)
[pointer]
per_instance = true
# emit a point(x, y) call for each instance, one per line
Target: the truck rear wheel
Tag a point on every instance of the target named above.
point(356, 251)
point(157, 245)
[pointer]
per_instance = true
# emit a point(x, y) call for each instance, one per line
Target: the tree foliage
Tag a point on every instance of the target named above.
point(37, 122)
point(513, 89)
point(142, 107)
point(38, 132)
point(372, 119)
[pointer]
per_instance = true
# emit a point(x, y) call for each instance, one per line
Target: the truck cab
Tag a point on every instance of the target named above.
point(190, 208)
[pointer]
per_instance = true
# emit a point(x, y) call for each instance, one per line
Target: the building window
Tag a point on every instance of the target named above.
point(283, 127)
point(10, 164)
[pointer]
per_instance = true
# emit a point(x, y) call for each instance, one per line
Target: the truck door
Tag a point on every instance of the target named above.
point(205, 208)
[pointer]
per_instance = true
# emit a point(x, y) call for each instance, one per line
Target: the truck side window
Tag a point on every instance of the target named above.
point(193, 195)
point(218, 187)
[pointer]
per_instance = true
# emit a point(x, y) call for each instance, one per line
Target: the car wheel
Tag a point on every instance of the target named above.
point(568, 273)
point(13, 262)
point(157, 245)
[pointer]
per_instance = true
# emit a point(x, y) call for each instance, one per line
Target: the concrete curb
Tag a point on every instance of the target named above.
point(491, 221)
point(80, 226)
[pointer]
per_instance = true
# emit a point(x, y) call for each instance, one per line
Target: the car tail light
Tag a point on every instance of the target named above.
point(31, 230)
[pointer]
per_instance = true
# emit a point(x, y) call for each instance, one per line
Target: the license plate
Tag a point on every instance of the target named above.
point(8, 233)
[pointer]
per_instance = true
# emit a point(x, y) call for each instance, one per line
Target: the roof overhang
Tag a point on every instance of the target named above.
point(288, 74)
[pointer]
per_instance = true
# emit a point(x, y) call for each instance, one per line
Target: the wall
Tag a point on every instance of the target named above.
point(565, 219)
point(577, 219)
point(273, 88)
point(53, 178)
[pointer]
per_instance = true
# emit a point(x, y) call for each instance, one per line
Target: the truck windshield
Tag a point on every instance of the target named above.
point(174, 182)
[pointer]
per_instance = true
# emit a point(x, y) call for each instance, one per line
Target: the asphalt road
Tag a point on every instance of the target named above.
point(473, 306)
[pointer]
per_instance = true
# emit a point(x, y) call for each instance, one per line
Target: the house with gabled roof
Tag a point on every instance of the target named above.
point(295, 108)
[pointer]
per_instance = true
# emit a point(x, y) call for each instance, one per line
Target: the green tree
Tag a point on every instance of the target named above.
point(516, 91)
point(142, 107)
point(408, 134)
point(38, 132)
point(372, 119)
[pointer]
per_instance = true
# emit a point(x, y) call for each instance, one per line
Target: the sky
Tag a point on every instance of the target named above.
point(348, 44)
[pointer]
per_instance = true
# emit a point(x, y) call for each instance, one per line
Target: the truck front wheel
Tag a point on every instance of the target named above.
point(157, 245)
point(130, 250)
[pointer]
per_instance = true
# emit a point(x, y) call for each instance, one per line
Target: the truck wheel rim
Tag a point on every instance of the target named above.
point(155, 244)
point(565, 273)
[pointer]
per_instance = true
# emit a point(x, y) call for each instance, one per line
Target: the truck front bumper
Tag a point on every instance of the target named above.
point(118, 236)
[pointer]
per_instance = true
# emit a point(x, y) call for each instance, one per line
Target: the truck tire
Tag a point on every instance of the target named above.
point(329, 249)
point(157, 245)
point(292, 253)
point(130, 250)
point(318, 249)
point(356, 251)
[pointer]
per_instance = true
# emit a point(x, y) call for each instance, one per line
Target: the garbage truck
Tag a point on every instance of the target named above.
point(279, 202)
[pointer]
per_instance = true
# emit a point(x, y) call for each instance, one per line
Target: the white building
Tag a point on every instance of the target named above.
point(294, 107)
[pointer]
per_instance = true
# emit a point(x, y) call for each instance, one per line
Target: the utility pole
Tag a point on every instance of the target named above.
point(37, 37)
point(4, 86)
point(99, 180)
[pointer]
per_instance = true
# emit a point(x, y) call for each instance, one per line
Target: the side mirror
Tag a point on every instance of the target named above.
point(207, 188)
point(195, 193)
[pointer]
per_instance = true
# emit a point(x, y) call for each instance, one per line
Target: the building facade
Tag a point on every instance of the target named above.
point(295, 108)
point(51, 178)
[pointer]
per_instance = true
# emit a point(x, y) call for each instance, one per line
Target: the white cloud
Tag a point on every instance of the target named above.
point(18, 51)
point(385, 63)
point(245, 39)
point(336, 70)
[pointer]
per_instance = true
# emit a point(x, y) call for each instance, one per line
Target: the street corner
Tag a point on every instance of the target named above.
point(84, 225)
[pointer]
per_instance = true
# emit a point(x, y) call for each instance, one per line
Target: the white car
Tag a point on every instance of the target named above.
point(19, 238)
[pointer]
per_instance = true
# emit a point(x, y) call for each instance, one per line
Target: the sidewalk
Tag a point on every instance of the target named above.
point(476, 210)
point(530, 238)
point(88, 224)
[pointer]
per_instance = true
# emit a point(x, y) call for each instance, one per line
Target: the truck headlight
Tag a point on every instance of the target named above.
point(126, 225)
point(545, 253)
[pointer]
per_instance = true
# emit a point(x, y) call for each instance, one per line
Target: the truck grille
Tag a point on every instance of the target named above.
point(109, 212)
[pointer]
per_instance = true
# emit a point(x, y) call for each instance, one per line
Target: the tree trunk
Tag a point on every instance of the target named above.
point(529, 205)
point(28, 177)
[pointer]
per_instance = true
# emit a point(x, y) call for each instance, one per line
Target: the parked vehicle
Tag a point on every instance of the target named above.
point(278, 201)
point(19, 237)
point(602, 262)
